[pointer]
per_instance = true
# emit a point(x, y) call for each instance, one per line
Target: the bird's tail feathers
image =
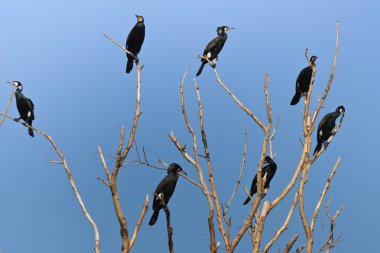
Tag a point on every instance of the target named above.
point(154, 218)
point(129, 65)
point(200, 69)
point(296, 98)
point(247, 200)
point(317, 148)
point(29, 129)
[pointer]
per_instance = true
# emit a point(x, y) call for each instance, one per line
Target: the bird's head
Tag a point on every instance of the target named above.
point(140, 19)
point(340, 109)
point(223, 29)
point(16, 84)
point(313, 59)
point(174, 168)
point(268, 159)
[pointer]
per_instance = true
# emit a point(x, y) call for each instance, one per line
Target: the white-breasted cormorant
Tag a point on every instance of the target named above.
point(303, 81)
point(166, 188)
point(134, 42)
point(25, 107)
point(326, 127)
point(214, 47)
point(267, 172)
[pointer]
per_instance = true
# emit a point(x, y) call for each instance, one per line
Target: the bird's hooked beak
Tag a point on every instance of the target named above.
point(136, 15)
point(229, 28)
point(182, 172)
point(12, 83)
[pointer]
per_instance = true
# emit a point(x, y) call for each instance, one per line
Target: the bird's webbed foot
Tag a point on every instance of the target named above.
point(17, 120)
point(25, 124)
point(213, 65)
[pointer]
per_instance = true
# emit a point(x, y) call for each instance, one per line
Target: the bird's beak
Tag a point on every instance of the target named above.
point(183, 172)
point(136, 15)
point(11, 83)
point(230, 28)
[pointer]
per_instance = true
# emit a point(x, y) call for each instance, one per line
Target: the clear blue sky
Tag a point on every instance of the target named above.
point(82, 97)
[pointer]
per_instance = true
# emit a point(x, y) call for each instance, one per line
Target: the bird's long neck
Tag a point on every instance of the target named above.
point(173, 175)
point(19, 94)
point(336, 115)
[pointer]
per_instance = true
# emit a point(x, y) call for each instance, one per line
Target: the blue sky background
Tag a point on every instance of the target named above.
point(82, 97)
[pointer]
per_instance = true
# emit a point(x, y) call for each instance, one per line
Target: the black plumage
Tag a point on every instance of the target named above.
point(25, 107)
point(134, 42)
point(303, 81)
point(214, 47)
point(267, 172)
point(166, 188)
point(326, 127)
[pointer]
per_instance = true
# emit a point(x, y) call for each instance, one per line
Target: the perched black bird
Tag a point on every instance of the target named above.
point(303, 81)
point(134, 41)
point(25, 107)
point(267, 172)
point(214, 47)
point(326, 126)
point(166, 188)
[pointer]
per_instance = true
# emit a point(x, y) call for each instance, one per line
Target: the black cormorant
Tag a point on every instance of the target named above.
point(214, 47)
point(165, 187)
point(25, 107)
point(303, 81)
point(134, 41)
point(267, 172)
point(326, 127)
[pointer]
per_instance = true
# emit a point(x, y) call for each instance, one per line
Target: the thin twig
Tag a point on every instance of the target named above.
point(241, 105)
point(323, 194)
point(322, 100)
point(7, 108)
point(240, 173)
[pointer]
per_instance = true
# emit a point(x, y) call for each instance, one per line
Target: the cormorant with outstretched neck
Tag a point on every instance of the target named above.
point(25, 107)
point(267, 173)
point(326, 127)
point(134, 42)
point(166, 189)
point(303, 81)
point(214, 47)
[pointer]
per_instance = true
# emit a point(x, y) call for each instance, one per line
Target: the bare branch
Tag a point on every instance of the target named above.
point(210, 169)
point(283, 228)
point(241, 105)
point(272, 137)
point(240, 173)
point(139, 221)
point(331, 242)
point(322, 100)
point(54, 162)
point(195, 163)
point(290, 244)
point(104, 182)
point(323, 194)
point(7, 108)
point(104, 163)
point(125, 50)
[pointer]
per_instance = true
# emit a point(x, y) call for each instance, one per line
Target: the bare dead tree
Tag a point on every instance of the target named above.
point(255, 220)
point(70, 177)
